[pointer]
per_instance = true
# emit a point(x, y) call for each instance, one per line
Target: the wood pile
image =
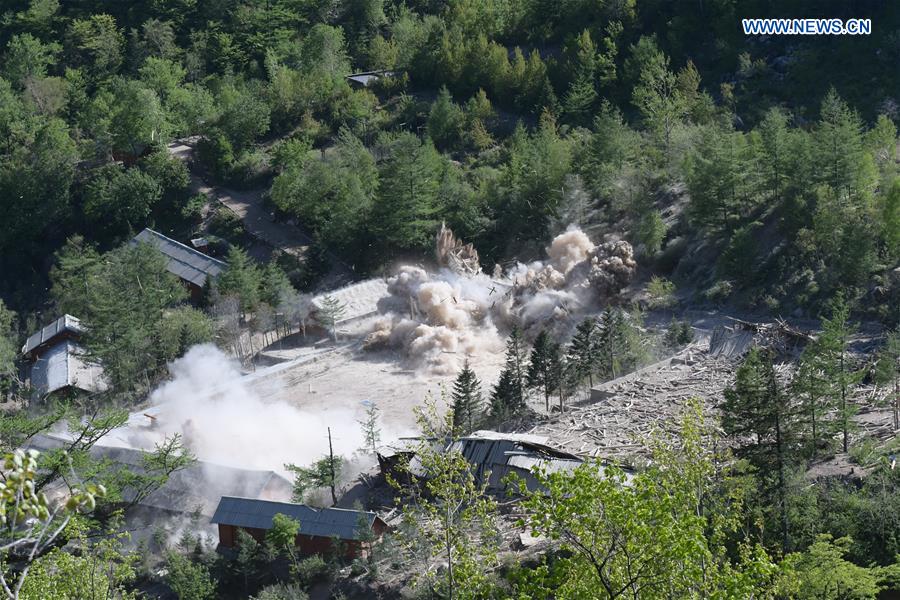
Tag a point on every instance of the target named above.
point(619, 426)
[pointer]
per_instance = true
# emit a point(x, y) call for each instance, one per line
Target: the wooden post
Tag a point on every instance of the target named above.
point(331, 468)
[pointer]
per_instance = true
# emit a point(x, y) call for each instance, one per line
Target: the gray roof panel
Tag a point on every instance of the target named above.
point(59, 326)
point(184, 262)
point(320, 522)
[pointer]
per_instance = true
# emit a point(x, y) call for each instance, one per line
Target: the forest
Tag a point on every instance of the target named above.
point(751, 175)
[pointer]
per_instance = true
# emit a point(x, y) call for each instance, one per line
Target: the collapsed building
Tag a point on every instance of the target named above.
point(493, 457)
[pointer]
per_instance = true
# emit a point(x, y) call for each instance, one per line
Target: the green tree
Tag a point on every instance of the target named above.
point(532, 181)
point(188, 579)
point(544, 366)
point(137, 118)
point(455, 521)
point(619, 343)
point(27, 59)
point(842, 158)
point(649, 535)
point(241, 278)
point(582, 354)
point(246, 560)
point(836, 366)
point(329, 313)
point(508, 395)
point(36, 180)
point(774, 149)
point(823, 572)
point(332, 195)
point(8, 348)
point(405, 212)
point(717, 177)
point(658, 97)
point(283, 535)
point(31, 525)
point(583, 64)
point(466, 397)
point(91, 566)
point(756, 409)
point(325, 472)
point(887, 371)
point(370, 429)
point(120, 200)
point(890, 222)
point(97, 44)
point(122, 299)
point(445, 121)
point(182, 328)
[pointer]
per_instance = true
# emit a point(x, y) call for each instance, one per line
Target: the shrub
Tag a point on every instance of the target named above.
point(313, 569)
point(661, 292)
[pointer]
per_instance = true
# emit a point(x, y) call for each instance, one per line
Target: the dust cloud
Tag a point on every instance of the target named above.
point(439, 319)
point(223, 421)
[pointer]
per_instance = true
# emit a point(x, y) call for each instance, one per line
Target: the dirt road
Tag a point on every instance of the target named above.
point(247, 205)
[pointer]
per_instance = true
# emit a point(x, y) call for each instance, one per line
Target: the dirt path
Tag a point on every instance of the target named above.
point(247, 205)
point(258, 221)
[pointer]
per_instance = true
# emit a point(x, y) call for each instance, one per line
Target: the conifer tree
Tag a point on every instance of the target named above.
point(758, 412)
point(835, 365)
point(618, 343)
point(508, 395)
point(887, 372)
point(466, 399)
point(370, 430)
point(241, 279)
point(544, 367)
point(582, 355)
point(809, 387)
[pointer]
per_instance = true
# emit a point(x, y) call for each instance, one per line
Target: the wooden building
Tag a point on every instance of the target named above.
point(320, 528)
point(191, 266)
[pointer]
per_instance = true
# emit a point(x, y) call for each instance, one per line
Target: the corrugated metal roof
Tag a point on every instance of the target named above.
point(320, 522)
point(59, 326)
point(184, 262)
point(197, 488)
point(62, 366)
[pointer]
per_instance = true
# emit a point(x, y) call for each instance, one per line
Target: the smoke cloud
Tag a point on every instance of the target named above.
point(222, 420)
point(438, 319)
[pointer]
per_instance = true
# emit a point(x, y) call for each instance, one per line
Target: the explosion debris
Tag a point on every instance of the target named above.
point(439, 318)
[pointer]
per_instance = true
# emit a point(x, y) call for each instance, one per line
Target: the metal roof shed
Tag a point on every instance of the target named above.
point(319, 527)
point(189, 265)
point(65, 326)
point(320, 522)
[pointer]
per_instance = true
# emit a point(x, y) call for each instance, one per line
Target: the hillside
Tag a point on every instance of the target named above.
point(622, 250)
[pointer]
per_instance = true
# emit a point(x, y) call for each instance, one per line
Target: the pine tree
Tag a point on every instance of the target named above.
point(545, 366)
point(370, 430)
point(466, 399)
point(582, 355)
point(330, 311)
point(830, 351)
point(515, 360)
point(758, 412)
point(887, 372)
point(241, 279)
point(508, 395)
point(505, 397)
point(618, 343)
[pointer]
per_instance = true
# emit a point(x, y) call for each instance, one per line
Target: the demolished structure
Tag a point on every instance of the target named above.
point(440, 318)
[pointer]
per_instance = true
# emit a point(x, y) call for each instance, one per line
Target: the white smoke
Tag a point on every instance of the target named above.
point(441, 318)
point(223, 421)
